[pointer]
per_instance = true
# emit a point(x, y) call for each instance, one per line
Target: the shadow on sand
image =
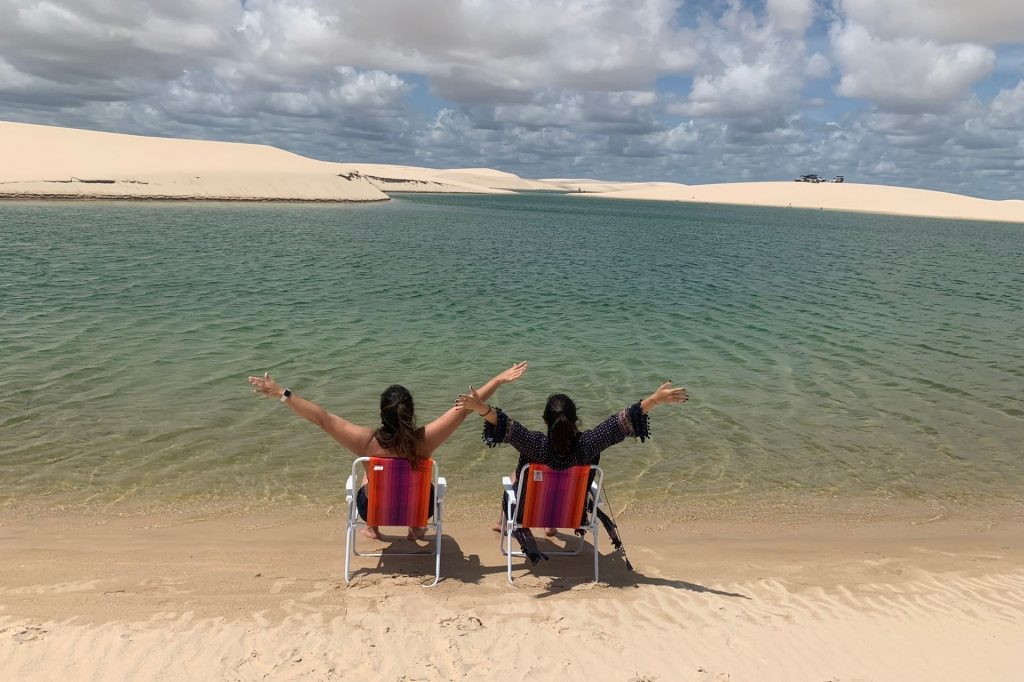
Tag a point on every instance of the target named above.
point(557, 575)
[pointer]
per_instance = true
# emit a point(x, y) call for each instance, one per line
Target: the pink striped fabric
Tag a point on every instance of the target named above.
point(397, 494)
point(554, 498)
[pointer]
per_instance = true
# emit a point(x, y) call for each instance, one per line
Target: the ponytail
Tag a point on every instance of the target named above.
point(563, 425)
point(398, 431)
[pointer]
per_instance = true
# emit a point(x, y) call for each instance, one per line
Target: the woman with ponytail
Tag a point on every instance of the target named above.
point(397, 436)
point(564, 445)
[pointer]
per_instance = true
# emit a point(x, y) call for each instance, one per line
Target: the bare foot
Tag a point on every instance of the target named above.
point(370, 532)
point(498, 528)
point(416, 534)
point(551, 532)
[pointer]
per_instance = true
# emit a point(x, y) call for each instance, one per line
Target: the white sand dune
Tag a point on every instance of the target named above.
point(495, 179)
point(590, 185)
point(252, 597)
point(46, 161)
point(411, 179)
point(832, 196)
point(51, 162)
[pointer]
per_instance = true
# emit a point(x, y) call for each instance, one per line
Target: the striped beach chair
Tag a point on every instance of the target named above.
point(398, 495)
point(552, 498)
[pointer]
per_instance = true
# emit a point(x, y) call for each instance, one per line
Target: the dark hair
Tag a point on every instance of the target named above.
point(398, 431)
point(563, 425)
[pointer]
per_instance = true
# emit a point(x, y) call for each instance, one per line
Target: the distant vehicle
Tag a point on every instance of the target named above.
point(811, 177)
point(838, 178)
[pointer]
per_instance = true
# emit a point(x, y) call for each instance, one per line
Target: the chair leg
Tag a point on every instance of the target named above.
point(508, 554)
point(349, 539)
point(596, 553)
point(501, 534)
point(437, 556)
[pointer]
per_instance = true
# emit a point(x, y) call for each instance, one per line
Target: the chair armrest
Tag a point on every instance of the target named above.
point(349, 492)
point(442, 485)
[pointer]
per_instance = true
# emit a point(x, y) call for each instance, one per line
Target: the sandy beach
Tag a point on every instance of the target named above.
point(260, 595)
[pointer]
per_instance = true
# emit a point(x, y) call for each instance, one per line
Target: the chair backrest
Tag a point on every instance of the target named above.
point(397, 494)
point(553, 498)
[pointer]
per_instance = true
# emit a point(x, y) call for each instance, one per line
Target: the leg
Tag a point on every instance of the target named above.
point(419, 532)
point(362, 502)
point(499, 527)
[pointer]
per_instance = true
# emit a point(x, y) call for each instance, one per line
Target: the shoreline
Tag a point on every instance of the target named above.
point(251, 596)
point(767, 508)
point(182, 199)
point(851, 198)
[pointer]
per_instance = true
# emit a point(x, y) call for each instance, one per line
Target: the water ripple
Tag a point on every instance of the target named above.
point(831, 354)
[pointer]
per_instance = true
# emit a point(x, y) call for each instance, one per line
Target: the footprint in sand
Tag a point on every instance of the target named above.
point(462, 623)
point(30, 633)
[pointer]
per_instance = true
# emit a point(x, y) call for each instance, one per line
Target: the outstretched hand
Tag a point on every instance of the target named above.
point(513, 373)
point(266, 386)
point(471, 402)
point(666, 393)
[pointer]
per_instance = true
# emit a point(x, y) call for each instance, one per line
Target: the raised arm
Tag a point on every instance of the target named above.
point(665, 394)
point(353, 437)
point(438, 431)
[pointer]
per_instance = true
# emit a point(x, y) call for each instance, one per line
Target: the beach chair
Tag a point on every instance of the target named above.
point(398, 495)
point(552, 498)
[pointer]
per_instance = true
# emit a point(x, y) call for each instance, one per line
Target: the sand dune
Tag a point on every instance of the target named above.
point(259, 596)
point(495, 179)
point(589, 185)
point(45, 161)
point(52, 162)
point(407, 179)
point(832, 196)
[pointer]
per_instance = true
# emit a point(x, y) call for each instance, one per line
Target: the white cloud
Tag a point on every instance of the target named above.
point(906, 74)
point(989, 22)
point(476, 51)
point(743, 89)
point(818, 66)
point(11, 78)
point(751, 66)
point(1008, 108)
point(791, 16)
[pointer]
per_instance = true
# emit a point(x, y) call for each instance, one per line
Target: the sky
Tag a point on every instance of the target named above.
point(920, 93)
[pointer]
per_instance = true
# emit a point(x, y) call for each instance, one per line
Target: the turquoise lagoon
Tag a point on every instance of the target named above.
point(829, 355)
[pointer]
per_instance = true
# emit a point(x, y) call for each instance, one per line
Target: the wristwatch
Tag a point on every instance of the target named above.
point(286, 395)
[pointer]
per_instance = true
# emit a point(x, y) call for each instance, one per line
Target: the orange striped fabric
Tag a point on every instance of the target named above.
point(554, 498)
point(397, 494)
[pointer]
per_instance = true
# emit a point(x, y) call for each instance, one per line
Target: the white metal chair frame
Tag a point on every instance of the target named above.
point(590, 523)
point(440, 484)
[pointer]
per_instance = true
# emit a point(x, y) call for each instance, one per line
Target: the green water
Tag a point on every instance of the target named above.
point(831, 354)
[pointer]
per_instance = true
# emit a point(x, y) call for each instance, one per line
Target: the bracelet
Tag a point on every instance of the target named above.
point(489, 410)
